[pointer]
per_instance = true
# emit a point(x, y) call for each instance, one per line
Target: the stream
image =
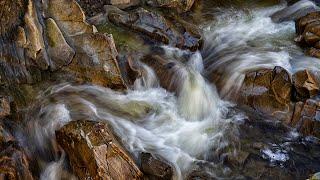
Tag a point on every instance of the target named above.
point(198, 128)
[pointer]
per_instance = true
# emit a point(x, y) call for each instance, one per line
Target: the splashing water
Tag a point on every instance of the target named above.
point(242, 41)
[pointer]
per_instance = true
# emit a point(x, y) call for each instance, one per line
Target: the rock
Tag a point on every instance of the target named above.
point(306, 84)
point(155, 168)
point(11, 16)
point(69, 17)
point(157, 28)
point(35, 48)
point(60, 52)
point(179, 5)
point(308, 30)
point(268, 92)
point(95, 57)
point(14, 163)
point(237, 159)
point(94, 152)
point(295, 11)
point(171, 74)
point(306, 117)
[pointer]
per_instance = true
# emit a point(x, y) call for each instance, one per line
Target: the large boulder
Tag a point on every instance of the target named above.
point(95, 153)
point(295, 11)
point(95, 57)
point(157, 28)
point(268, 91)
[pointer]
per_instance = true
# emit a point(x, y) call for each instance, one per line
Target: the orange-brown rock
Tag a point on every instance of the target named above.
point(306, 83)
point(268, 91)
point(306, 117)
point(94, 152)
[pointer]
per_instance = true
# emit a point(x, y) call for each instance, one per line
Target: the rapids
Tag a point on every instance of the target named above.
point(193, 128)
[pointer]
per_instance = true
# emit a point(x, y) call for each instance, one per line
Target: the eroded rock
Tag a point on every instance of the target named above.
point(308, 30)
point(94, 152)
point(155, 167)
point(157, 28)
point(306, 117)
point(268, 91)
point(306, 84)
point(60, 52)
point(14, 163)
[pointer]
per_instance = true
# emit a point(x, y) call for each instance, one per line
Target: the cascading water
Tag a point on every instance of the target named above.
point(190, 127)
point(147, 119)
point(241, 41)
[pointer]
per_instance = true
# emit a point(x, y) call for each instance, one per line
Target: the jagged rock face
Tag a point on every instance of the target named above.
point(268, 91)
point(95, 57)
point(307, 84)
point(179, 5)
point(308, 30)
point(11, 14)
point(94, 152)
point(306, 117)
point(156, 27)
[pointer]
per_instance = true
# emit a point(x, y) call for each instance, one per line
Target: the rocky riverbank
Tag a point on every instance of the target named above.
point(103, 42)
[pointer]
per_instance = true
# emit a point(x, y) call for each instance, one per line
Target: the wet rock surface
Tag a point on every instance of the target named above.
point(268, 91)
point(308, 33)
point(95, 153)
point(156, 27)
point(155, 168)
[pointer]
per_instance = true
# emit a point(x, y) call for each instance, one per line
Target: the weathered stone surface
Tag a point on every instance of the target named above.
point(306, 117)
point(155, 168)
point(306, 84)
point(179, 5)
point(11, 15)
point(14, 163)
point(295, 11)
point(157, 28)
point(60, 52)
point(69, 17)
point(308, 30)
point(96, 59)
point(94, 152)
point(36, 48)
point(268, 91)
